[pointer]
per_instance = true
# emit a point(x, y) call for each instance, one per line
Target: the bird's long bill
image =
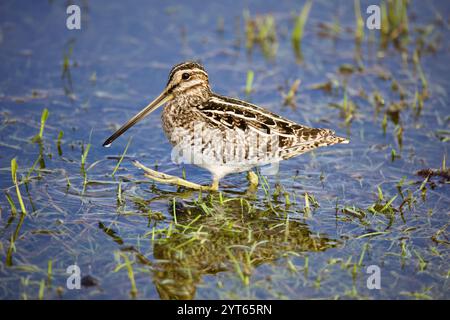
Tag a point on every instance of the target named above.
point(160, 100)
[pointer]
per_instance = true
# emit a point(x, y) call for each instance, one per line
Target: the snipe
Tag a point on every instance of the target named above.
point(221, 134)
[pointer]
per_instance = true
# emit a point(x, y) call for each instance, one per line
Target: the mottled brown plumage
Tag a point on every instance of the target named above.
point(222, 134)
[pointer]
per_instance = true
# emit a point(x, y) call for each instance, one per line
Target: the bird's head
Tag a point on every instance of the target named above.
point(187, 78)
point(188, 83)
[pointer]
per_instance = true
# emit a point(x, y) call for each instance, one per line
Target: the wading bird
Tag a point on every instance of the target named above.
point(221, 134)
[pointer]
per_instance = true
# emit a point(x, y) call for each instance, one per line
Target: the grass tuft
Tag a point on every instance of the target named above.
point(359, 31)
point(44, 118)
point(299, 30)
point(16, 183)
point(249, 82)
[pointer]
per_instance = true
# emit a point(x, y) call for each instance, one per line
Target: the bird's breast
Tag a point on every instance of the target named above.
point(177, 118)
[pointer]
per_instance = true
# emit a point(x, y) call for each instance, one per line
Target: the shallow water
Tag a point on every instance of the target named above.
point(261, 246)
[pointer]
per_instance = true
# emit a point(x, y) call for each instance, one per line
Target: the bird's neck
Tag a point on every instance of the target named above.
point(194, 97)
point(180, 112)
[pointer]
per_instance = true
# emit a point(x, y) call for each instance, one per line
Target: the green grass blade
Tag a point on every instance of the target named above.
point(14, 178)
point(44, 118)
point(11, 204)
point(300, 23)
point(249, 82)
point(121, 158)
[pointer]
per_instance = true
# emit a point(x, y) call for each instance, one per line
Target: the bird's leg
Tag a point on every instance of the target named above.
point(215, 184)
point(169, 179)
point(253, 181)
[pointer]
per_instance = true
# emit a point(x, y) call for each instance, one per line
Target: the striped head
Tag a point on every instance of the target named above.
point(188, 85)
point(188, 78)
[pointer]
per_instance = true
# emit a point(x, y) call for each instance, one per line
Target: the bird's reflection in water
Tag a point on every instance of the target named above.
point(225, 235)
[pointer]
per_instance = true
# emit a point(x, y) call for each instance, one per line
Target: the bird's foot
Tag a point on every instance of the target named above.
point(169, 179)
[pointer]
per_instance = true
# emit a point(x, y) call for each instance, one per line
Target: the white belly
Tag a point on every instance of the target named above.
point(221, 152)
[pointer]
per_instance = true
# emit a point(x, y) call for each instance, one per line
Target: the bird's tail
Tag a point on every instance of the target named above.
point(341, 140)
point(331, 139)
point(327, 138)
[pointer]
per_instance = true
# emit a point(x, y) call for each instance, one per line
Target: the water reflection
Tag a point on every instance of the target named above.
point(232, 235)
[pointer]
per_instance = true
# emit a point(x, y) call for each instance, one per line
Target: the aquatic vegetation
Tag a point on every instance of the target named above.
point(289, 98)
point(298, 32)
point(44, 118)
point(249, 82)
point(359, 31)
point(347, 108)
point(394, 24)
point(58, 142)
point(330, 30)
point(121, 157)
point(210, 237)
point(11, 204)
point(128, 265)
point(261, 30)
point(14, 168)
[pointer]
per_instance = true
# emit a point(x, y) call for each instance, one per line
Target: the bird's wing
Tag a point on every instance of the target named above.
point(229, 113)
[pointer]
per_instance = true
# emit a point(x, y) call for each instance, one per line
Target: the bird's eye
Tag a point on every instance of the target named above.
point(185, 76)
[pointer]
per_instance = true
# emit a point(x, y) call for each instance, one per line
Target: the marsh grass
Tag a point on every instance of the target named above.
point(289, 98)
point(394, 24)
point(217, 233)
point(14, 168)
point(59, 141)
point(121, 157)
point(359, 30)
point(261, 30)
point(11, 204)
point(129, 267)
point(44, 117)
point(12, 243)
point(347, 108)
point(330, 30)
point(299, 30)
point(249, 82)
point(66, 74)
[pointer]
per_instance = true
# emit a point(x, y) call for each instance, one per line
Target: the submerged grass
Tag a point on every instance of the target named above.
point(11, 204)
point(128, 265)
point(228, 233)
point(13, 238)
